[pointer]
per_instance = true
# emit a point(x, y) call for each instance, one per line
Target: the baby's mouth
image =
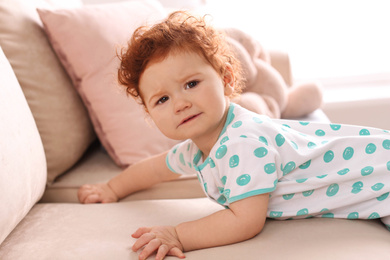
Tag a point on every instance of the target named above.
point(189, 119)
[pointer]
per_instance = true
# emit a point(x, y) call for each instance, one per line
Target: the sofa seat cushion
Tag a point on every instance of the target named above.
point(103, 231)
point(96, 166)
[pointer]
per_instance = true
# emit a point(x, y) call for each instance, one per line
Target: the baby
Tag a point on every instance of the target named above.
point(184, 74)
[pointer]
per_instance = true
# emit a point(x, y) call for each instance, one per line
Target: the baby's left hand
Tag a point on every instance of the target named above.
point(161, 239)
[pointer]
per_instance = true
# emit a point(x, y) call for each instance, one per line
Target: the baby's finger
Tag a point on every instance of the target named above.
point(176, 252)
point(151, 247)
point(83, 192)
point(143, 240)
point(92, 198)
point(162, 252)
point(140, 231)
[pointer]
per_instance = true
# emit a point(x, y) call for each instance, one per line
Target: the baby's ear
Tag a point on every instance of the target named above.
point(228, 75)
point(228, 79)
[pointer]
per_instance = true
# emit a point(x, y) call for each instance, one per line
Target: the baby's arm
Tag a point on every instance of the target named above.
point(138, 176)
point(242, 221)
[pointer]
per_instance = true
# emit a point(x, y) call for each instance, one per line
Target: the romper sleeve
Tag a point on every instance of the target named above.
point(249, 169)
point(179, 160)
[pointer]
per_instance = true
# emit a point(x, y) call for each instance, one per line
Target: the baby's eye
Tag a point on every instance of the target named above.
point(192, 84)
point(162, 100)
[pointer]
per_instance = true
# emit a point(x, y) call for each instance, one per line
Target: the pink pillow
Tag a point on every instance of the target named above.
point(86, 40)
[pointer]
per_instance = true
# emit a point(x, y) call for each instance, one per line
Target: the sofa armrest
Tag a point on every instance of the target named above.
point(281, 62)
point(22, 158)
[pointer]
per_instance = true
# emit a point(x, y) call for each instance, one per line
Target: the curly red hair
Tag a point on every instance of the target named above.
point(179, 32)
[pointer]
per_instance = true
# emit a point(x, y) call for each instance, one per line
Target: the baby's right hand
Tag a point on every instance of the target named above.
point(95, 193)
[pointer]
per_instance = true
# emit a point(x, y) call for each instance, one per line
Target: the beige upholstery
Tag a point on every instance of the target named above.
point(102, 231)
point(22, 159)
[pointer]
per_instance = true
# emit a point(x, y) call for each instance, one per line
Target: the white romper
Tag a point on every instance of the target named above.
point(310, 169)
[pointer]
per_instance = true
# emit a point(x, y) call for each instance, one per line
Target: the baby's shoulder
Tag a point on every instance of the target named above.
point(246, 124)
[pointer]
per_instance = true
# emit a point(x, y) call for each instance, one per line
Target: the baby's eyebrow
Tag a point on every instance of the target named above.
point(188, 76)
point(155, 95)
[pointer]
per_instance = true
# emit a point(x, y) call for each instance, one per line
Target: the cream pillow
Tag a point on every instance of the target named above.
point(59, 113)
point(22, 159)
point(86, 40)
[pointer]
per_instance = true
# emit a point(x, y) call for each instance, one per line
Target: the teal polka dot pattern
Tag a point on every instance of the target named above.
point(364, 132)
point(303, 212)
point(269, 168)
point(261, 152)
point(374, 215)
point(388, 165)
point(243, 179)
point(302, 180)
point(348, 153)
point(328, 156)
point(335, 127)
point(328, 215)
point(367, 170)
point(279, 139)
point(332, 190)
point(276, 214)
point(304, 123)
point(221, 152)
point(224, 140)
point(307, 193)
point(234, 161)
point(377, 186)
point(305, 165)
point(237, 124)
point(223, 180)
point(353, 215)
point(357, 187)
point(383, 196)
point(343, 171)
point(263, 140)
point(311, 145)
point(370, 148)
point(386, 144)
point(290, 166)
point(181, 158)
point(320, 132)
point(221, 199)
point(288, 196)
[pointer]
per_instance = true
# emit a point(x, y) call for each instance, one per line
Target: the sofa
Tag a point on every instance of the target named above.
point(64, 123)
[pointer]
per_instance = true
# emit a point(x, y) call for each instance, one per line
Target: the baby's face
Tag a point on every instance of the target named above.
point(185, 97)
